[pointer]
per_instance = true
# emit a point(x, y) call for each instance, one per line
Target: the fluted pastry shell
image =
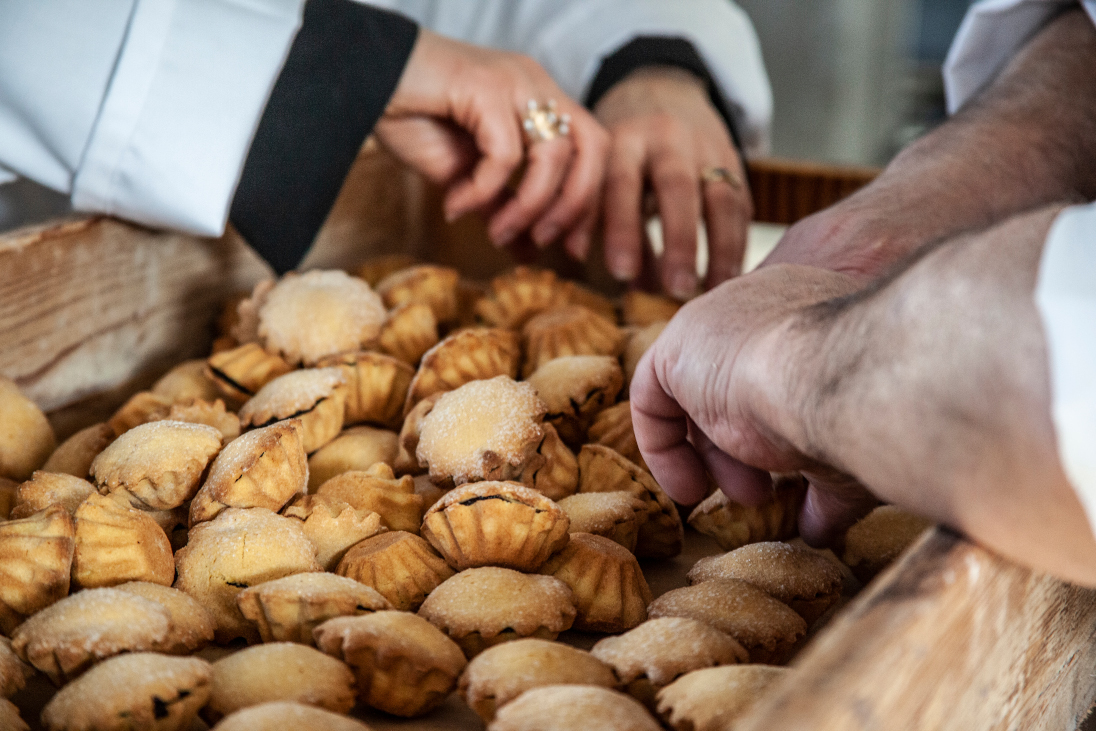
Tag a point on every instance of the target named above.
point(376, 387)
point(44, 489)
point(356, 448)
point(403, 664)
point(35, 564)
point(159, 464)
point(187, 382)
point(714, 699)
point(211, 413)
point(191, 624)
point(568, 330)
point(637, 344)
point(576, 388)
point(601, 469)
point(430, 492)
point(333, 526)
point(241, 372)
point(379, 490)
point(8, 492)
point(429, 284)
point(610, 592)
point(733, 524)
point(116, 544)
point(288, 714)
point(579, 295)
point(495, 524)
point(306, 317)
point(377, 268)
point(467, 355)
point(229, 317)
point(407, 463)
point(516, 296)
point(501, 673)
point(140, 690)
point(26, 440)
point(288, 609)
point(66, 638)
point(141, 408)
point(567, 707)
point(403, 567)
point(657, 652)
point(482, 607)
point(316, 396)
point(263, 468)
point(613, 515)
point(805, 580)
point(75, 455)
point(10, 718)
point(243, 325)
point(408, 333)
point(641, 308)
point(14, 673)
point(612, 428)
point(237, 549)
point(484, 430)
point(555, 475)
point(766, 627)
point(878, 538)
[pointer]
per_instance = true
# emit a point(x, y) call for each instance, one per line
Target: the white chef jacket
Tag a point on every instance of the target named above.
point(1065, 292)
point(145, 109)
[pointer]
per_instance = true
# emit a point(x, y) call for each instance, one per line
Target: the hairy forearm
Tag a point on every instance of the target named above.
point(932, 389)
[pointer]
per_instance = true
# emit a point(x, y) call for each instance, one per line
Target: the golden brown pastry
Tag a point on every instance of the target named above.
point(142, 690)
point(572, 707)
point(333, 526)
point(516, 296)
point(279, 671)
point(288, 715)
point(237, 549)
point(376, 387)
point(733, 525)
point(141, 408)
point(379, 490)
point(467, 355)
point(878, 539)
point(601, 469)
point(637, 344)
point(553, 471)
point(406, 461)
point(591, 300)
point(35, 564)
point(115, 544)
point(191, 624)
point(428, 284)
point(379, 267)
point(403, 664)
point(484, 430)
point(767, 628)
point(44, 489)
point(186, 383)
point(610, 592)
point(288, 609)
point(75, 455)
point(264, 468)
point(26, 439)
point(356, 448)
point(400, 565)
point(241, 372)
point(612, 428)
point(159, 465)
point(242, 326)
point(713, 699)
point(66, 638)
point(641, 308)
point(568, 330)
point(429, 492)
point(13, 671)
point(210, 413)
point(408, 333)
point(10, 720)
point(495, 524)
point(655, 653)
point(575, 389)
point(614, 515)
point(315, 396)
point(806, 581)
point(9, 491)
point(500, 674)
point(482, 607)
point(306, 317)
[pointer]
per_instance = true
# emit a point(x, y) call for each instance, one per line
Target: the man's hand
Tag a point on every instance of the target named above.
point(665, 131)
point(456, 117)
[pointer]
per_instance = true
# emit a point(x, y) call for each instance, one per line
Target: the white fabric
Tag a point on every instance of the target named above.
point(992, 32)
point(1065, 295)
point(571, 37)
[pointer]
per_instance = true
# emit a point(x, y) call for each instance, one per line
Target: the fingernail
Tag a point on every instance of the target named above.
point(683, 285)
point(545, 235)
point(580, 246)
point(505, 236)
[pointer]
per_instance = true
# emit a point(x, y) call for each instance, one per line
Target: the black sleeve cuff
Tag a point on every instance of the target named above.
point(342, 68)
point(659, 51)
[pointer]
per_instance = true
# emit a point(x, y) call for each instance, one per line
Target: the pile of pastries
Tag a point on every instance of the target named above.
point(381, 489)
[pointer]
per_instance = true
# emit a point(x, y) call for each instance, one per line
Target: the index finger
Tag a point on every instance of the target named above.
point(494, 126)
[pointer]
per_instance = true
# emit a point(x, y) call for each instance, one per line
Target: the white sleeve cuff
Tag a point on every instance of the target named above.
point(1065, 295)
point(182, 107)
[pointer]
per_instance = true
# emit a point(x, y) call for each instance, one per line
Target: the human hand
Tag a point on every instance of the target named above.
point(456, 117)
point(664, 129)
